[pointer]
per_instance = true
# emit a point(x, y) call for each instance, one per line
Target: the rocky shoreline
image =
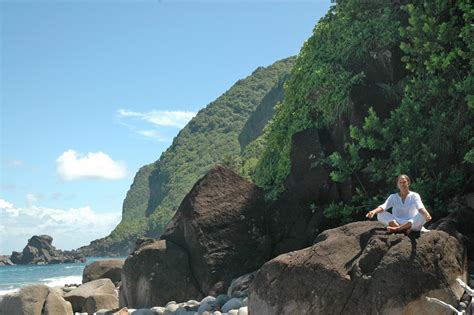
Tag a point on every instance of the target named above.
point(220, 255)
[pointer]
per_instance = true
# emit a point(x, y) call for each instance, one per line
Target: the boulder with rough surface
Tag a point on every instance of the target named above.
point(110, 269)
point(97, 302)
point(28, 301)
point(56, 304)
point(220, 223)
point(78, 296)
point(156, 273)
point(359, 269)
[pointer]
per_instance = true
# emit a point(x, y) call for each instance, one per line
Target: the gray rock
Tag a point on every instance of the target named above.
point(56, 304)
point(232, 304)
point(144, 311)
point(239, 287)
point(182, 311)
point(209, 299)
point(96, 302)
point(110, 269)
point(29, 300)
point(233, 312)
point(158, 310)
point(221, 299)
point(243, 310)
point(205, 307)
point(172, 307)
point(78, 296)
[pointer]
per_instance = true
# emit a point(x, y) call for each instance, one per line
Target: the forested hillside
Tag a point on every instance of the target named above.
point(208, 139)
point(425, 128)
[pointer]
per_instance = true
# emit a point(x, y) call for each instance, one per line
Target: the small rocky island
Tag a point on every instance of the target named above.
point(40, 250)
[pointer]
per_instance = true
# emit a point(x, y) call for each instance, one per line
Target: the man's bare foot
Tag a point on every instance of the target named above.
point(393, 223)
point(392, 229)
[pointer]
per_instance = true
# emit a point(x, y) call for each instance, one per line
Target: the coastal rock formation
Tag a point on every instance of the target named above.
point(5, 261)
point(220, 224)
point(40, 250)
point(216, 235)
point(110, 269)
point(368, 271)
point(78, 296)
point(156, 273)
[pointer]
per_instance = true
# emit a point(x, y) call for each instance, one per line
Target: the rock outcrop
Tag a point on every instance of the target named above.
point(359, 269)
point(220, 223)
point(216, 235)
point(103, 269)
point(79, 296)
point(5, 261)
point(28, 300)
point(55, 304)
point(40, 250)
point(156, 273)
point(35, 300)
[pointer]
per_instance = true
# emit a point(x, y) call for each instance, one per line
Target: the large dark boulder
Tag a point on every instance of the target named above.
point(40, 250)
point(359, 269)
point(294, 218)
point(156, 273)
point(459, 224)
point(110, 269)
point(220, 224)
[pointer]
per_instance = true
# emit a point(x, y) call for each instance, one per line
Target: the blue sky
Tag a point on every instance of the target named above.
point(93, 90)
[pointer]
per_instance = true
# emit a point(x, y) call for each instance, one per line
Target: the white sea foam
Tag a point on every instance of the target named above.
point(61, 281)
point(6, 292)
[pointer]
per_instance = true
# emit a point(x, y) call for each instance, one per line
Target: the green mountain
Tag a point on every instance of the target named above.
point(424, 129)
point(208, 139)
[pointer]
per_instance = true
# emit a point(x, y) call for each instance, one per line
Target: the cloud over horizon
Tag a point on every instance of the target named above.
point(70, 228)
point(71, 166)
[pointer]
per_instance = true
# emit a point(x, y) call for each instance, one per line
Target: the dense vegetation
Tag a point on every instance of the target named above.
point(328, 66)
point(428, 135)
point(210, 138)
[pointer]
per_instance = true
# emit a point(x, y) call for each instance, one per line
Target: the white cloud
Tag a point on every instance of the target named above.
point(32, 198)
point(70, 228)
point(15, 163)
point(160, 117)
point(70, 166)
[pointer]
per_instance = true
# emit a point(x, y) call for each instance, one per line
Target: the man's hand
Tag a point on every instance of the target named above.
point(370, 214)
point(426, 214)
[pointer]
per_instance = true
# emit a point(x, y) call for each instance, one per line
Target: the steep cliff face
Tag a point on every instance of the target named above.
point(210, 137)
point(253, 128)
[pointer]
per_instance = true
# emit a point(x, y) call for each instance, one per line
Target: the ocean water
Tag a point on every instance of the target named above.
point(12, 278)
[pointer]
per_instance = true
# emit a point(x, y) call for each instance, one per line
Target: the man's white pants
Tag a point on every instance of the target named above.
point(417, 221)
